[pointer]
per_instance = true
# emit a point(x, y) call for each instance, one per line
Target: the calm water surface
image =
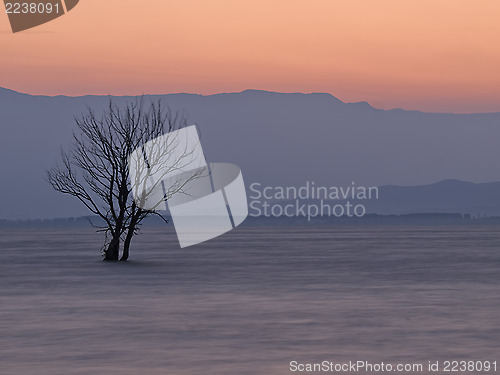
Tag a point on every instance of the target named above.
point(249, 302)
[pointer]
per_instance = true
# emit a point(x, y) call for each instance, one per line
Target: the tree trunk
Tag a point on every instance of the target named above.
point(126, 245)
point(112, 252)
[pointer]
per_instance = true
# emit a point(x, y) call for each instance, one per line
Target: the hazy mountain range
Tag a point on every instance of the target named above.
point(279, 140)
point(450, 196)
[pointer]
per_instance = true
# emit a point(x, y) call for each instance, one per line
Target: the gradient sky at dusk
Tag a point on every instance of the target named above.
point(439, 55)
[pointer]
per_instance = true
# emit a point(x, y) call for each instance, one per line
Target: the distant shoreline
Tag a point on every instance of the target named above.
point(367, 220)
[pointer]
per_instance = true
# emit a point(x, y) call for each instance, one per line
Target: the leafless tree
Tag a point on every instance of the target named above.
point(95, 169)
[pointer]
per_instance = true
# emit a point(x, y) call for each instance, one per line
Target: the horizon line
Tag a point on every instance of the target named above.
point(363, 102)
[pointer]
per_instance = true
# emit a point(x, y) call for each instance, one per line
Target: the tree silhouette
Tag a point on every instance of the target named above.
point(95, 168)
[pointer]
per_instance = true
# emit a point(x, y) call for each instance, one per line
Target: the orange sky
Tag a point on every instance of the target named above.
point(432, 55)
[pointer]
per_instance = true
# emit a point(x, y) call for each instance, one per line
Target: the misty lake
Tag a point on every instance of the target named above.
point(249, 302)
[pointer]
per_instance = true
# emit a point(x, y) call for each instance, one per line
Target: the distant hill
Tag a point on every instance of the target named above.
point(276, 139)
point(450, 196)
point(444, 197)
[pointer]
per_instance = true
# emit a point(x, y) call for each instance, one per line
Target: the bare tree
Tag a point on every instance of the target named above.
point(95, 169)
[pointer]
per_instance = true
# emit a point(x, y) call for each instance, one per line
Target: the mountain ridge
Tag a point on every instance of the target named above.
point(277, 139)
point(246, 91)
